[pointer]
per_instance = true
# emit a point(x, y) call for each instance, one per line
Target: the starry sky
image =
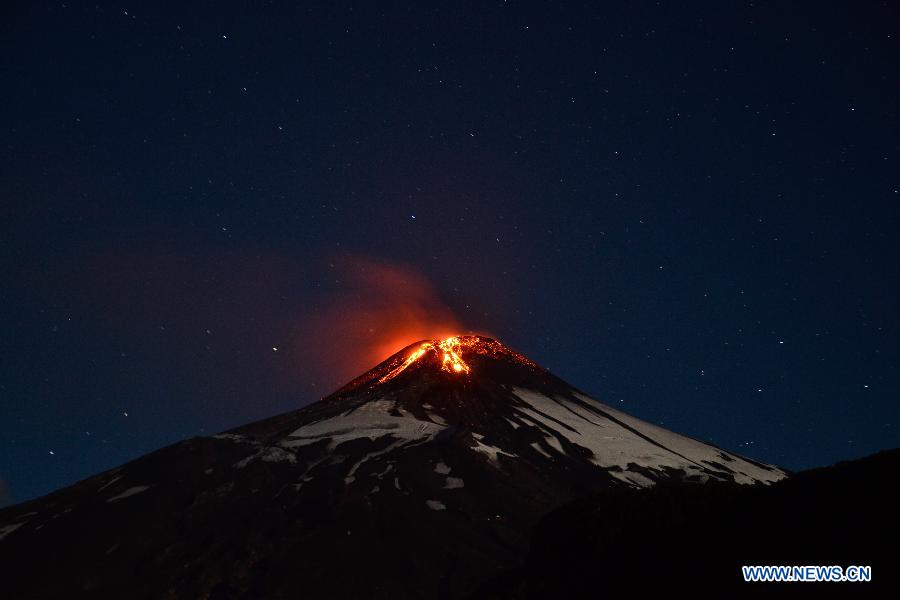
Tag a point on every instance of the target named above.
point(219, 212)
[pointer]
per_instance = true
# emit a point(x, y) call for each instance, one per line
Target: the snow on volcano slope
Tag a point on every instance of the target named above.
point(619, 440)
point(372, 420)
point(573, 426)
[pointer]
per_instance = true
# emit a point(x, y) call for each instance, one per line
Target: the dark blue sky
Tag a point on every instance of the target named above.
point(689, 212)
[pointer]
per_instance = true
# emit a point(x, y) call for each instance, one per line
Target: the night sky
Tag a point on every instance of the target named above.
point(214, 214)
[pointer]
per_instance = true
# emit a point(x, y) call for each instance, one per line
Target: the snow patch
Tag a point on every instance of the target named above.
point(743, 471)
point(275, 454)
point(108, 483)
point(554, 443)
point(441, 468)
point(435, 505)
point(437, 418)
point(130, 492)
point(387, 469)
point(632, 478)
point(491, 452)
point(616, 439)
point(233, 437)
point(537, 446)
point(454, 483)
point(351, 475)
point(372, 420)
point(268, 454)
point(8, 529)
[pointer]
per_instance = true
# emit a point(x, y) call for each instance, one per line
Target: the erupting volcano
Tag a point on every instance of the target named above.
point(449, 354)
point(437, 461)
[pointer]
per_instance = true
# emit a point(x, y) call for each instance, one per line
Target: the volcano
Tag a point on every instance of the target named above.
point(420, 478)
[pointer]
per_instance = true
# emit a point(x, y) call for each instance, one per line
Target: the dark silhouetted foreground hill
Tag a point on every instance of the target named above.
point(693, 539)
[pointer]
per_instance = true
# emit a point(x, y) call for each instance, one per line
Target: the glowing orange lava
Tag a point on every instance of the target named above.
point(450, 350)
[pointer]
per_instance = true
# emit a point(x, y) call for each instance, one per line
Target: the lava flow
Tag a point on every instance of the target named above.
point(450, 350)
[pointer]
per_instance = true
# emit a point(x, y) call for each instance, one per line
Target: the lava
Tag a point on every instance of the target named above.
point(451, 361)
point(416, 355)
point(450, 351)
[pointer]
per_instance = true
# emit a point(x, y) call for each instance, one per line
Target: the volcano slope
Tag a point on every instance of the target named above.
point(421, 478)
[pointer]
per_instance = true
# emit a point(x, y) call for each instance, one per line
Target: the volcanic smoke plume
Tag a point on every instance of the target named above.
point(380, 308)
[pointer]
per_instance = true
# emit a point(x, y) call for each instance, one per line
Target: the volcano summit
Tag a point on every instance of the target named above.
point(420, 478)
